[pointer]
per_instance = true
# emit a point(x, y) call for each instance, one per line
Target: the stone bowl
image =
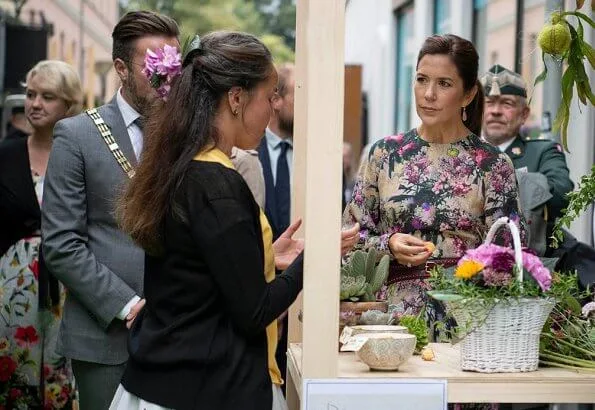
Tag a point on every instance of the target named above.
point(387, 351)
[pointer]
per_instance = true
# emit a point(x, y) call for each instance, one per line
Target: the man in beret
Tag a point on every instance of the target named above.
point(505, 111)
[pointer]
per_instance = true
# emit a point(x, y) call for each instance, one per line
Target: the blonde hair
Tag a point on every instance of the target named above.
point(61, 79)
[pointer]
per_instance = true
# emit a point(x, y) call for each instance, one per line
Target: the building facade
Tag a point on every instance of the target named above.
point(386, 37)
point(81, 36)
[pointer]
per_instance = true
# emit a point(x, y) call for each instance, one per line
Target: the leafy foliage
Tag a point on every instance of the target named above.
point(568, 337)
point(575, 77)
point(416, 325)
point(272, 21)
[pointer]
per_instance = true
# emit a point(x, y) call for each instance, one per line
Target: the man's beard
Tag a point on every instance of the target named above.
point(140, 103)
point(286, 125)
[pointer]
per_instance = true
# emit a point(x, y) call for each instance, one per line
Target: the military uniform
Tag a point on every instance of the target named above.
point(539, 156)
point(545, 157)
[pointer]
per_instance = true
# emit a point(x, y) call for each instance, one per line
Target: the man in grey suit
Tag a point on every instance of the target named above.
point(100, 266)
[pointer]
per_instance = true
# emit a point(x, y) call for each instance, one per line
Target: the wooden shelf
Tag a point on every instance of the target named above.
point(546, 385)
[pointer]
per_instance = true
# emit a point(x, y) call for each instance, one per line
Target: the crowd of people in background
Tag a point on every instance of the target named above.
point(147, 251)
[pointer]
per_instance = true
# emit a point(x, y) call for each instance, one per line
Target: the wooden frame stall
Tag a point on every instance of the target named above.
point(313, 352)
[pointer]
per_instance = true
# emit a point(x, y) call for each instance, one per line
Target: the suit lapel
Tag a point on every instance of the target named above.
point(270, 202)
point(113, 118)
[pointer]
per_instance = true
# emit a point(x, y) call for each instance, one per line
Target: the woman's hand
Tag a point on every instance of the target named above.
point(349, 237)
point(286, 248)
point(408, 250)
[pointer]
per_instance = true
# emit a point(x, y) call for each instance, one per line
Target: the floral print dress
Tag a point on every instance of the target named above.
point(448, 194)
point(28, 334)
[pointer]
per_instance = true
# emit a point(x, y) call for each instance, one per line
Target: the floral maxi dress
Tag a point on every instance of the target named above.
point(28, 333)
point(448, 194)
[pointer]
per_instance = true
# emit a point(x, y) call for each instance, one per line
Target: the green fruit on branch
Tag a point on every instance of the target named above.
point(555, 38)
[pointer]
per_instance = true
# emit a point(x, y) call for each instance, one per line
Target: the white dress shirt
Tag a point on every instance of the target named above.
point(504, 146)
point(273, 141)
point(130, 115)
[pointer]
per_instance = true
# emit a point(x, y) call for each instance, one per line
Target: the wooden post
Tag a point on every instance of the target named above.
point(318, 137)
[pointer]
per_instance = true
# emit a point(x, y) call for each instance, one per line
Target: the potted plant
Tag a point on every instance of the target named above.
point(500, 299)
point(361, 278)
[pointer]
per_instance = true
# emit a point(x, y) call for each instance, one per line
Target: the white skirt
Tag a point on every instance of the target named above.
point(124, 400)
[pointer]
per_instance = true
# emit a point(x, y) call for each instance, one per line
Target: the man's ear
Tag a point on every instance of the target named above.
point(525, 113)
point(277, 102)
point(121, 69)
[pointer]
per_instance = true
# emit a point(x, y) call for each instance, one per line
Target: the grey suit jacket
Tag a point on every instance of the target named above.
point(98, 264)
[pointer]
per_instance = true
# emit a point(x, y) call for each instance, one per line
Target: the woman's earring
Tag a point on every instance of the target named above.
point(464, 114)
point(235, 112)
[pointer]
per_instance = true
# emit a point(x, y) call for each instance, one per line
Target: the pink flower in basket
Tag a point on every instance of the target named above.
point(161, 67)
point(494, 265)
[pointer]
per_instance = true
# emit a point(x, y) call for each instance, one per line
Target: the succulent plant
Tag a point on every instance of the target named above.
point(416, 325)
point(362, 277)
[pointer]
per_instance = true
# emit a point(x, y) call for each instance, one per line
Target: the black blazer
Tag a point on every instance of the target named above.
point(20, 215)
point(200, 341)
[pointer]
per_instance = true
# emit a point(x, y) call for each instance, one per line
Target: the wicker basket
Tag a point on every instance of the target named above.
point(502, 337)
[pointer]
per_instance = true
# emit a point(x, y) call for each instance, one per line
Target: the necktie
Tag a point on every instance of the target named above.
point(282, 195)
point(140, 123)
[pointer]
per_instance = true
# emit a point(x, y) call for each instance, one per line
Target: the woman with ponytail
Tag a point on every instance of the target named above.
point(206, 337)
point(427, 195)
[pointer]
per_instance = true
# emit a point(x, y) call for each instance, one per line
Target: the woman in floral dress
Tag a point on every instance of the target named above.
point(31, 374)
point(438, 183)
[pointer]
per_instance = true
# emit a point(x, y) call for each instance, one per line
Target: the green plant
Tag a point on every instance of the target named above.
point(362, 277)
point(568, 337)
point(416, 325)
point(565, 43)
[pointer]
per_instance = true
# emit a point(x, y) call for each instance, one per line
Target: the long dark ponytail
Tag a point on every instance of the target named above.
point(184, 125)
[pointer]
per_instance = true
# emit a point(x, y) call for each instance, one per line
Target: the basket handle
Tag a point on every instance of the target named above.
point(516, 240)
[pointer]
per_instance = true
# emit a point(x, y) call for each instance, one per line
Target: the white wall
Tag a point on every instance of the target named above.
point(370, 41)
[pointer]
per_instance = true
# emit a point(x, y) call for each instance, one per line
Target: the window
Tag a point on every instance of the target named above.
point(442, 17)
point(405, 66)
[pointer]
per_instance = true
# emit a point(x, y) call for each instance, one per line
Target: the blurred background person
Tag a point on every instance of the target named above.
point(18, 126)
point(31, 302)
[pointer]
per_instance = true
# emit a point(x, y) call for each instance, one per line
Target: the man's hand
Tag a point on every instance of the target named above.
point(134, 312)
point(286, 248)
point(349, 237)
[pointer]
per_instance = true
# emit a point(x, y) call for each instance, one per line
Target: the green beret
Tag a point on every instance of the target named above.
point(499, 80)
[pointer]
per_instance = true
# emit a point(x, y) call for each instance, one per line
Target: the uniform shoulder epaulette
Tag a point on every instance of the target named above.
point(539, 138)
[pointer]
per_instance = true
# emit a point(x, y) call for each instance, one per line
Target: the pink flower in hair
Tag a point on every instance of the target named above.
point(162, 66)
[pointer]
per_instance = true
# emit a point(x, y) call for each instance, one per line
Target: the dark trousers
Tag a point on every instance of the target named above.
point(97, 383)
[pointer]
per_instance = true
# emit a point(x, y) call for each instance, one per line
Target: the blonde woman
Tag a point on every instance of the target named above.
point(29, 299)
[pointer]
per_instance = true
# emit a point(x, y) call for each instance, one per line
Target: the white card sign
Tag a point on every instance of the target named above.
point(374, 394)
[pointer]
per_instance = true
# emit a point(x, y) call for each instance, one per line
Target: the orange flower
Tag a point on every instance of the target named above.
point(468, 268)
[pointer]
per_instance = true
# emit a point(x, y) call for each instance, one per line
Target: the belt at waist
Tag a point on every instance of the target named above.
point(399, 273)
